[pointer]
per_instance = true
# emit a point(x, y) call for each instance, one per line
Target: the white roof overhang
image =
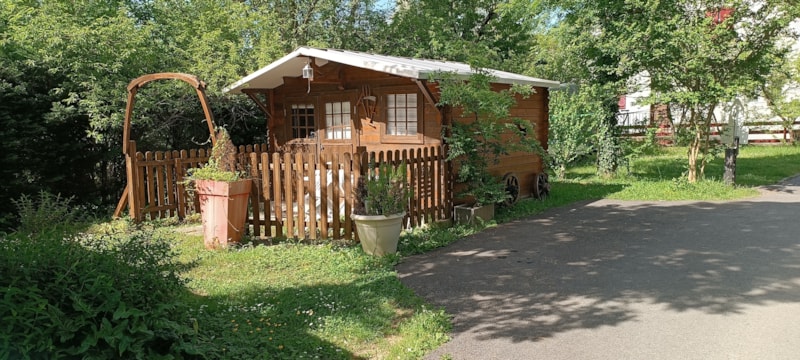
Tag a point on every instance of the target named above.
point(291, 65)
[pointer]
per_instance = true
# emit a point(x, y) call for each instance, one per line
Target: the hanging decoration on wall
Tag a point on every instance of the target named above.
point(369, 102)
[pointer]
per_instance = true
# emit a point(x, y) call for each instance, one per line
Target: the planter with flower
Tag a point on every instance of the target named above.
point(223, 191)
point(381, 202)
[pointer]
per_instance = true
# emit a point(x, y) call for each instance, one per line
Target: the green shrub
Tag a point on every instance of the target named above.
point(111, 296)
point(46, 213)
point(384, 193)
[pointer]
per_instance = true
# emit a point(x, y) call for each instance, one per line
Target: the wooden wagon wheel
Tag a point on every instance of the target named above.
point(511, 182)
point(541, 186)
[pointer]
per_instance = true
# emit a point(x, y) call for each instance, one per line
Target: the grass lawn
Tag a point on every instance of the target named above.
point(331, 301)
point(660, 177)
point(293, 301)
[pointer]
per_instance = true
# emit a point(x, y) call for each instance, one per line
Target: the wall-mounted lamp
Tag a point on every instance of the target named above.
point(308, 72)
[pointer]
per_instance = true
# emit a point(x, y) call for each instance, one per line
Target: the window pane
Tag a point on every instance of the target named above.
point(337, 116)
point(302, 120)
point(401, 114)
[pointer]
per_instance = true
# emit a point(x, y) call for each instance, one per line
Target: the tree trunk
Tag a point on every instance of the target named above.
point(694, 150)
point(694, 146)
point(706, 131)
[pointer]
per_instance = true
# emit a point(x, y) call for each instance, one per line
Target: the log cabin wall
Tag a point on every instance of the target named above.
point(525, 166)
point(344, 86)
point(535, 110)
point(340, 88)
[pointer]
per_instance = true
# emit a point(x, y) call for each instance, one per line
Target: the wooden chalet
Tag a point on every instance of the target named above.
point(327, 101)
point(328, 114)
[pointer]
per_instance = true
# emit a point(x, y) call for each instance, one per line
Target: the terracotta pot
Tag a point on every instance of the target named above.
point(379, 234)
point(223, 208)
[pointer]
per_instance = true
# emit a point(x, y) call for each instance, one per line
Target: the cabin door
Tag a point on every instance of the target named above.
point(336, 135)
point(303, 129)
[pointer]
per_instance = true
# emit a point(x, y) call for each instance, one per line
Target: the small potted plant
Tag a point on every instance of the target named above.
point(381, 201)
point(484, 191)
point(223, 191)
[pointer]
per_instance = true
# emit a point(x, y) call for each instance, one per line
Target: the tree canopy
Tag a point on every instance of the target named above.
point(695, 54)
point(65, 64)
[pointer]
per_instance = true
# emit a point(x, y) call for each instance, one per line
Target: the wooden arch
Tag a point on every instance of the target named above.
point(129, 197)
point(133, 88)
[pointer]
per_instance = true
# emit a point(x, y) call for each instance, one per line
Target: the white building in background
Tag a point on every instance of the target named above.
point(749, 118)
point(632, 110)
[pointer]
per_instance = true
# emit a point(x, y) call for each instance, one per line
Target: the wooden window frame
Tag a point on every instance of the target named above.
point(290, 103)
point(342, 96)
point(402, 139)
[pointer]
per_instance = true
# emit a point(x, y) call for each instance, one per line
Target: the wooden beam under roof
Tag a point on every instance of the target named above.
point(262, 104)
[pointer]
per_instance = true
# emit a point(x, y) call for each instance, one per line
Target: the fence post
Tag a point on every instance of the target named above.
point(359, 169)
point(255, 193)
point(448, 184)
point(730, 162)
point(134, 209)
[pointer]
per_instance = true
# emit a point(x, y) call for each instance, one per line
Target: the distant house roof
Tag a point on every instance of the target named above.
point(291, 65)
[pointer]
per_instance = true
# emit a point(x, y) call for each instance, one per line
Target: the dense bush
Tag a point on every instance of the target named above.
point(67, 295)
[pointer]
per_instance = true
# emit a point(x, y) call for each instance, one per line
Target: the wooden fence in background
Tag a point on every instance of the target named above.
point(294, 195)
point(635, 125)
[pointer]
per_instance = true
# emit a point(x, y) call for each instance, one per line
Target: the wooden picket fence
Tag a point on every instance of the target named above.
point(294, 195)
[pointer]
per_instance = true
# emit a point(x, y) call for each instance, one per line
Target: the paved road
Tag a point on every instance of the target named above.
point(625, 280)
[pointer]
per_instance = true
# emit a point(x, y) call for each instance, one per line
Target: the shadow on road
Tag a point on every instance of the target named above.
point(581, 266)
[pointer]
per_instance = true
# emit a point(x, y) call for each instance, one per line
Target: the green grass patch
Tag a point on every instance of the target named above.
point(661, 177)
point(293, 301)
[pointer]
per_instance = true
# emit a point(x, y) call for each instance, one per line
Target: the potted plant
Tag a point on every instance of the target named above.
point(484, 191)
point(223, 191)
point(381, 201)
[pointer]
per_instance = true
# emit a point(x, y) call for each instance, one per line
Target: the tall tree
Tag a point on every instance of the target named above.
point(485, 33)
point(345, 24)
point(697, 54)
point(52, 77)
point(565, 49)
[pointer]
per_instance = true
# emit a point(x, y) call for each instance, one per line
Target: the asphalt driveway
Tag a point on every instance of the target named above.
point(625, 280)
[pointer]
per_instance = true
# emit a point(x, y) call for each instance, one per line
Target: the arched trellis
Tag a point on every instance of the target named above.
point(129, 146)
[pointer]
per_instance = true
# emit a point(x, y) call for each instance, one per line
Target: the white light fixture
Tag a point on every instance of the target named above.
point(308, 72)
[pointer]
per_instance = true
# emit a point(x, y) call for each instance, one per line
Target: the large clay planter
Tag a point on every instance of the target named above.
point(223, 207)
point(379, 234)
point(466, 215)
